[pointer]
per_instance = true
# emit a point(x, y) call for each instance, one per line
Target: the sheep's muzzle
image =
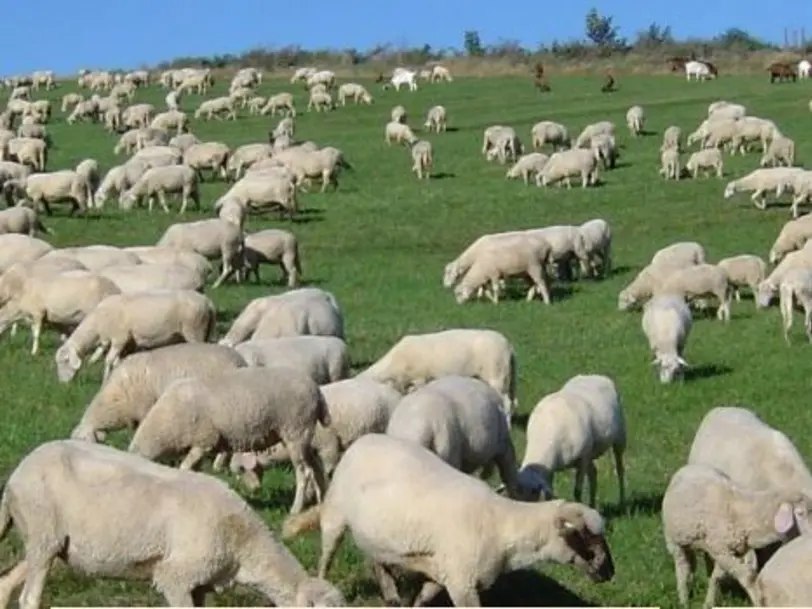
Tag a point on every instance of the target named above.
point(592, 555)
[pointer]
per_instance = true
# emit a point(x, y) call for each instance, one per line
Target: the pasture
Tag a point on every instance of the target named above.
point(380, 243)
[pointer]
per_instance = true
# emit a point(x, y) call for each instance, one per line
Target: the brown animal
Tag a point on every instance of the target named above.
point(541, 84)
point(609, 84)
point(712, 69)
point(678, 63)
point(782, 72)
point(539, 71)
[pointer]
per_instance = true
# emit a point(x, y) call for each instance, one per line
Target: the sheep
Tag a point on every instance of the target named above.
point(398, 115)
point(679, 254)
point(28, 151)
point(767, 289)
point(145, 320)
point(502, 143)
point(796, 283)
point(304, 311)
point(208, 155)
point(23, 220)
point(246, 155)
point(324, 163)
point(280, 101)
point(417, 359)
point(9, 170)
point(243, 409)
point(271, 246)
point(302, 74)
point(320, 101)
point(704, 510)
point(255, 105)
point(160, 181)
point(585, 137)
point(326, 359)
point(88, 170)
point(781, 581)
point(528, 165)
point(644, 285)
point(21, 248)
point(158, 156)
point(597, 240)
point(137, 383)
point(84, 109)
point(209, 238)
point(700, 280)
point(184, 141)
point(33, 130)
point(354, 91)
point(667, 323)
point(461, 420)
point(46, 188)
point(794, 234)
point(285, 126)
point(422, 158)
point(635, 119)
point(726, 109)
point(752, 128)
point(62, 301)
point(603, 148)
point(670, 164)
point(744, 270)
point(549, 132)
point(671, 138)
point(171, 120)
point(762, 180)
point(489, 534)
point(118, 180)
point(59, 492)
point(153, 254)
point(572, 428)
point(704, 160)
point(780, 151)
point(135, 278)
point(71, 99)
point(399, 132)
point(261, 190)
point(127, 142)
point(574, 162)
point(137, 116)
point(216, 108)
point(436, 119)
point(521, 255)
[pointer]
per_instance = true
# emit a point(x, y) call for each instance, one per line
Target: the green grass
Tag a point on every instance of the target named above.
point(380, 243)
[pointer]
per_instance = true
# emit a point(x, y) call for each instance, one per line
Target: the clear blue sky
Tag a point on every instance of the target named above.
point(71, 34)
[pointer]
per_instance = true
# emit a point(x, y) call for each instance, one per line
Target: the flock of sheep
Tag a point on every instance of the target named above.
point(410, 432)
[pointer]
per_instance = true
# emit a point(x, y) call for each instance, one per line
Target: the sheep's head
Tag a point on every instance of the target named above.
point(764, 294)
point(670, 366)
point(775, 256)
point(314, 592)
point(68, 363)
point(580, 541)
point(625, 301)
point(88, 434)
point(127, 200)
point(462, 294)
point(730, 190)
point(533, 484)
point(450, 274)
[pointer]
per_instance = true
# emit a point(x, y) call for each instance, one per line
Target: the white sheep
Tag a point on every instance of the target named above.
point(436, 119)
point(647, 281)
point(761, 181)
point(184, 141)
point(670, 164)
point(325, 359)
point(320, 101)
point(667, 323)
point(67, 489)
point(767, 289)
point(354, 91)
point(157, 182)
point(782, 580)
point(280, 101)
point(207, 155)
point(399, 133)
point(145, 319)
point(417, 359)
point(118, 180)
point(796, 284)
point(461, 420)
point(398, 114)
point(42, 189)
point(679, 254)
point(604, 149)
point(211, 239)
point(96, 257)
point(597, 240)
point(697, 281)
point(744, 270)
point(472, 538)
point(634, 120)
point(161, 276)
point(704, 160)
point(502, 143)
point(15, 248)
point(568, 163)
point(272, 246)
point(549, 132)
point(217, 108)
point(753, 128)
point(671, 138)
point(527, 166)
point(23, 220)
point(794, 234)
point(601, 127)
point(781, 151)
point(240, 410)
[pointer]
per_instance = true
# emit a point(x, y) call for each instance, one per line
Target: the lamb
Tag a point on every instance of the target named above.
point(567, 163)
point(762, 180)
point(671, 138)
point(217, 108)
point(143, 320)
point(501, 142)
point(209, 155)
point(160, 181)
point(549, 132)
point(285, 126)
point(243, 409)
point(485, 530)
point(399, 132)
point(597, 241)
point(669, 164)
point(436, 119)
point(744, 270)
point(705, 159)
point(705, 510)
point(679, 254)
point(461, 420)
point(572, 428)
point(65, 483)
point(61, 301)
point(280, 101)
point(780, 151)
point(604, 149)
point(136, 384)
point(209, 238)
point(522, 255)
point(15, 248)
point(796, 283)
point(23, 220)
point(139, 277)
point(398, 114)
point(794, 234)
point(781, 581)
point(304, 311)
point(354, 91)
point(635, 119)
point(417, 359)
point(528, 165)
point(422, 158)
point(326, 359)
point(320, 101)
point(667, 323)
point(697, 281)
point(585, 137)
point(272, 246)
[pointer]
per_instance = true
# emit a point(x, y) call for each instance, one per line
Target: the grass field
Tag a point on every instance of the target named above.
point(379, 244)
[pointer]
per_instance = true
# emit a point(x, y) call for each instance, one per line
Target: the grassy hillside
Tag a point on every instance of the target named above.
point(379, 244)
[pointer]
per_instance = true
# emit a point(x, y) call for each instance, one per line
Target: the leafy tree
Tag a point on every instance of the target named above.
point(473, 44)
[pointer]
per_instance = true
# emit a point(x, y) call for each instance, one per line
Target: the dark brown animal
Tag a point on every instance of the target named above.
point(782, 72)
point(539, 71)
point(609, 84)
point(678, 63)
point(541, 84)
point(712, 69)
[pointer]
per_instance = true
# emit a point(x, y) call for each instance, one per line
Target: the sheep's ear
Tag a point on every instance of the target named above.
point(683, 362)
point(569, 519)
point(784, 519)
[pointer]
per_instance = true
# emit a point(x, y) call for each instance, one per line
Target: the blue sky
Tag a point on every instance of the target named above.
point(71, 34)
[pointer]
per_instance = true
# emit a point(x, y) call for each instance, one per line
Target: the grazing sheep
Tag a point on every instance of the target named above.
point(326, 359)
point(399, 132)
point(29, 151)
point(142, 320)
point(417, 359)
point(273, 246)
point(794, 234)
point(796, 284)
point(680, 254)
point(210, 238)
point(465, 541)
point(569, 163)
point(604, 149)
point(671, 138)
point(502, 143)
point(635, 119)
point(590, 131)
point(761, 181)
point(186, 532)
point(669, 164)
point(422, 159)
point(700, 280)
point(23, 220)
point(320, 101)
point(644, 285)
point(753, 128)
point(781, 151)
point(324, 163)
point(139, 277)
point(704, 510)
point(280, 101)
point(241, 410)
point(461, 420)
point(767, 289)
point(209, 155)
point(158, 181)
point(95, 257)
point(436, 119)
point(42, 189)
point(184, 141)
point(745, 270)
point(667, 324)
point(549, 132)
point(528, 165)
point(398, 114)
point(597, 240)
point(354, 91)
point(217, 108)
point(705, 160)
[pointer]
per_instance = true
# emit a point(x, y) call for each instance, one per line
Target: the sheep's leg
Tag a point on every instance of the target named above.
point(592, 476)
point(620, 471)
point(11, 581)
point(684, 567)
point(37, 573)
point(111, 361)
point(36, 332)
point(387, 585)
point(463, 596)
point(808, 321)
point(193, 457)
point(219, 461)
point(175, 593)
point(428, 591)
point(578, 491)
point(301, 471)
point(162, 201)
point(97, 354)
point(332, 532)
point(740, 571)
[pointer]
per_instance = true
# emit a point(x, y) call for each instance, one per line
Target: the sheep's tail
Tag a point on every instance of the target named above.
point(309, 520)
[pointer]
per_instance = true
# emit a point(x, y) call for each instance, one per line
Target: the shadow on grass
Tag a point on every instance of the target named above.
point(648, 504)
point(707, 371)
point(306, 216)
point(621, 270)
point(648, 133)
point(443, 175)
point(519, 420)
point(622, 165)
point(452, 129)
point(561, 291)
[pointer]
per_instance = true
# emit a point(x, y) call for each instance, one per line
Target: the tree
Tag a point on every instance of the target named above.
point(473, 44)
point(600, 30)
